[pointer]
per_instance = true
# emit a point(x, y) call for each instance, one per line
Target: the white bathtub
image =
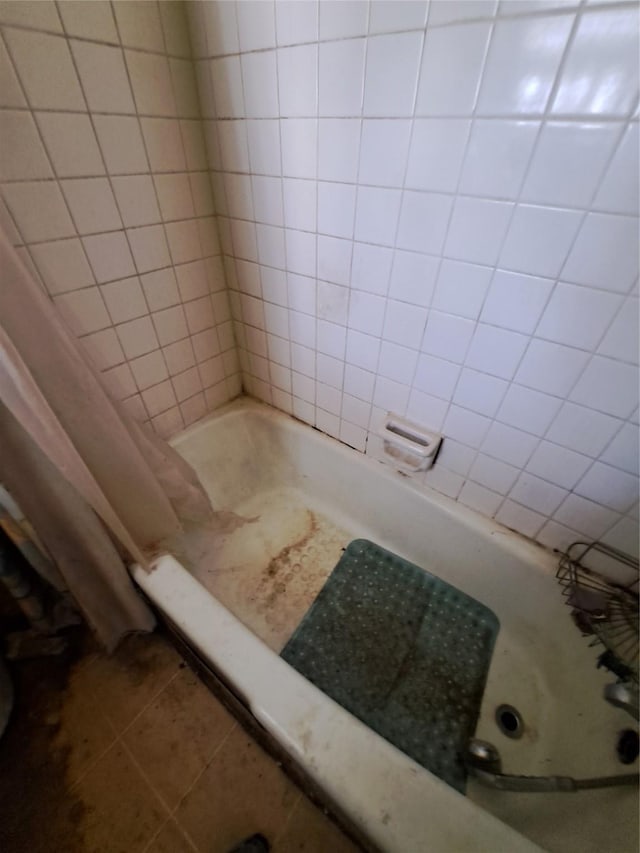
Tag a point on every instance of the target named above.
point(289, 498)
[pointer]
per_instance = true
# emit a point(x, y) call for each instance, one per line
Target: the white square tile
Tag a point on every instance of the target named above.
point(276, 320)
point(271, 249)
point(170, 325)
point(397, 362)
point(185, 88)
point(353, 435)
point(164, 144)
point(437, 151)
point(151, 82)
point(456, 457)
point(623, 451)
point(583, 430)
point(84, 310)
point(336, 209)
point(192, 280)
point(234, 148)
point(496, 351)
point(413, 277)
point(624, 535)
point(387, 16)
point(39, 211)
point(301, 252)
point(238, 192)
point(331, 339)
point(300, 199)
point(392, 74)
point(260, 81)
point(333, 303)
point(359, 383)
point(341, 80)
point(448, 11)
point(174, 196)
point(551, 367)
point(558, 465)
point(46, 71)
point(493, 474)
point(608, 386)
point(444, 481)
point(362, 350)
point(104, 77)
point(104, 348)
point(497, 157)
point(23, 156)
point(343, 18)
point(479, 392)
point(568, 163)
point(175, 26)
point(243, 235)
point(423, 221)
point(516, 301)
point(338, 150)
point(520, 519)
point(586, 517)
point(120, 382)
point(447, 337)
point(605, 253)
point(539, 240)
point(621, 340)
point(109, 256)
point(618, 191)
point(334, 259)
point(531, 49)
point(184, 242)
point(451, 69)
point(302, 328)
point(92, 205)
point(594, 309)
point(355, 411)
point(298, 80)
point(149, 247)
point(612, 36)
point(71, 144)
point(267, 200)
point(124, 299)
point(299, 144)
point(404, 324)
point(226, 78)
point(377, 215)
point(256, 24)
point(121, 143)
point(296, 22)
point(139, 25)
point(477, 230)
point(10, 90)
point(528, 410)
point(467, 427)
point(509, 444)
point(537, 494)
point(62, 265)
point(436, 377)
point(391, 395)
point(199, 314)
point(383, 151)
point(609, 486)
point(136, 200)
point(371, 268)
point(461, 288)
point(31, 14)
point(426, 410)
point(89, 20)
point(366, 313)
point(264, 146)
point(160, 289)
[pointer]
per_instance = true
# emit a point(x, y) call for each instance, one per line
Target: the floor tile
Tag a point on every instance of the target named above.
point(120, 813)
point(177, 734)
point(170, 839)
point(241, 792)
point(125, 682)
point(309, 831)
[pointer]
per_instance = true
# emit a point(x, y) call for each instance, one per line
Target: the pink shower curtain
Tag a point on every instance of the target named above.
point(96, 486)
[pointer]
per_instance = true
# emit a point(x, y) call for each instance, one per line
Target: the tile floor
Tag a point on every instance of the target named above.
point(154, 763)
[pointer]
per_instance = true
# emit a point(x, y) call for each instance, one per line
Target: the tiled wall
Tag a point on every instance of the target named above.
point(432, 209)
point(105, 179)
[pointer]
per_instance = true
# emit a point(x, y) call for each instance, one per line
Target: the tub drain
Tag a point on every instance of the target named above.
point(509, 721)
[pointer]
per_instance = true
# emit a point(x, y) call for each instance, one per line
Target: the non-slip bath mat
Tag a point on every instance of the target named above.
point(403, 651)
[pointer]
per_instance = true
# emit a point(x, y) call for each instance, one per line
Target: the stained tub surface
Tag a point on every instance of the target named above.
point(288, 500)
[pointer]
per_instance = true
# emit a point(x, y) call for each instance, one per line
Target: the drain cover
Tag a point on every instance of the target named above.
point(403, 651)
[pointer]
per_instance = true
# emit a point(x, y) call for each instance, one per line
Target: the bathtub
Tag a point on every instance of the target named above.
point(287, 500)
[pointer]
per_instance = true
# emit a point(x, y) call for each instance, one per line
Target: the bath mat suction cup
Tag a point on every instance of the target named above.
point(403, 651)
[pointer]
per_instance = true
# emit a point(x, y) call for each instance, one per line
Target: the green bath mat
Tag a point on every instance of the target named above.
point(403, 651)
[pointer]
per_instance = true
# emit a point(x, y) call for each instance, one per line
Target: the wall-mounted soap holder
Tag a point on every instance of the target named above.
point(407, 445)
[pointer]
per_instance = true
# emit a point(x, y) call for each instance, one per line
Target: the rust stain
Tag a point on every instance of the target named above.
point(282, 557)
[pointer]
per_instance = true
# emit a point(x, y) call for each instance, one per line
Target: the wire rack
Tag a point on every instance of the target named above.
point(600, 585)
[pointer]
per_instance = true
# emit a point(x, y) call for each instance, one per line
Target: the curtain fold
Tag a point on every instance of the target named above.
point(77, 464)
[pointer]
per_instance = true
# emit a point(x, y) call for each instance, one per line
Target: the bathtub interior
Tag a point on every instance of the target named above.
point(288, 500)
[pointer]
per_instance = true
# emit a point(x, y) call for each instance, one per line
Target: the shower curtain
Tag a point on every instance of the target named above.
point(98, 488)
